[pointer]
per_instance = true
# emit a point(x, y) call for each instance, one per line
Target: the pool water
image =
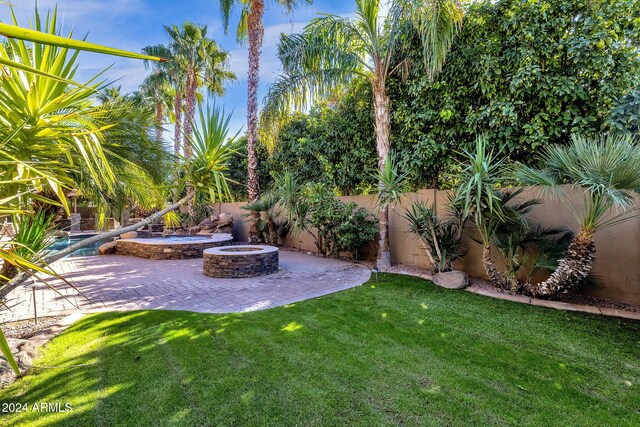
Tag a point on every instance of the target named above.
point(64, 242)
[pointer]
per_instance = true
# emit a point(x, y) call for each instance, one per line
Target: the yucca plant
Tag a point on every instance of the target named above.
point(478, 198)
point(607, 170)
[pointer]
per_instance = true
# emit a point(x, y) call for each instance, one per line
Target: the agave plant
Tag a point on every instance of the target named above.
point(607, 170)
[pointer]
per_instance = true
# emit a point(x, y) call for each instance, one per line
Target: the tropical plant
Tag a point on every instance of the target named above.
point(440, 238)
point(34, 233)
point(527, 74)
point(478, 198)
point(205, 171)
point(268, 217)
point(174, 73)
point(607, 169)
point(332, 51)
point(251, 27)
point(155, 90)
point(23, 72)
point(528, 248)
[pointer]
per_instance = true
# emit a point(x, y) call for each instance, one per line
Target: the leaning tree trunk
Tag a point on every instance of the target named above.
point(177, 136)
point(159, 119)
point(382, 111)
point(256, 32)
point(572, 269)
point(6, 289)
point(189, 115)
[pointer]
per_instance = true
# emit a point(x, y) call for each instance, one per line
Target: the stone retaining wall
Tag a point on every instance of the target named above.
point(165, 250)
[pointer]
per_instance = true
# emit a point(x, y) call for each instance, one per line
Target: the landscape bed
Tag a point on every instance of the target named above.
point(397, 351)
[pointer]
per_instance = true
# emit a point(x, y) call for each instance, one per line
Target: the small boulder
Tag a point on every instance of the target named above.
point(24, 358)
point(225, 223)
point(108, 248)
point(129, 235)
point(451, 279)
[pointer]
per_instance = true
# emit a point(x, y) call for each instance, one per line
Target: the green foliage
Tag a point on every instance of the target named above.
point(441, 238)
point(608, 170)
point(477, 196)
point(237, 174)
point(268, 221)
point(33, 235)
point(211, 148)
point(527, 74)
point(340, 227)
point(333, 144)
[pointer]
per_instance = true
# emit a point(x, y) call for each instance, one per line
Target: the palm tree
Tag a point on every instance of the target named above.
point(332, 51)
point(204, 65)
point(608, 172)
point(252, 27)
point(155, 90)
point(174, 71)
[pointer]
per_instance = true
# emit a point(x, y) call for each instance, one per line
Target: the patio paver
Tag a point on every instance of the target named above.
point(119, 283)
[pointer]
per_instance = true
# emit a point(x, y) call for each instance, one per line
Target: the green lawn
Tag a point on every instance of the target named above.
point(399, 351)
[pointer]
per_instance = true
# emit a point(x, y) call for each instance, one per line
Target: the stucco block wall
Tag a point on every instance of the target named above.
point(617, 262)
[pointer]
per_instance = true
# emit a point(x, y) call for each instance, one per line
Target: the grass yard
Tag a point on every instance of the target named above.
point(398, 351)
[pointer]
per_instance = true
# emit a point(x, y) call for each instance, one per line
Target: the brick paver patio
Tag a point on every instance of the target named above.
point(115, 283)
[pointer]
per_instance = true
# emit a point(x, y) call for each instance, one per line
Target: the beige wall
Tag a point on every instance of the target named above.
point(617, 262)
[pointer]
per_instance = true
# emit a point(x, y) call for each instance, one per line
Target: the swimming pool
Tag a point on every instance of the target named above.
point(62, 243)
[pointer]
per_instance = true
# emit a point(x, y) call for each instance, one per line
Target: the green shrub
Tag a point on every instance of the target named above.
point(340, 227)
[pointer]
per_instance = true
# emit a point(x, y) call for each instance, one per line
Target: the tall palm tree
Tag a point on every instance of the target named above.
point(155, 90)
point(174, 71)
point(251, 26)
point(204, 65)
point(333, 50)
point(608, 172)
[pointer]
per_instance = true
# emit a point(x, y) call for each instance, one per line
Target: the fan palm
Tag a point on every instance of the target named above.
point(251, 26)
point(608, 172)
point(155, 90)
point(175, 73)
point(204, 65)
point(332, 51)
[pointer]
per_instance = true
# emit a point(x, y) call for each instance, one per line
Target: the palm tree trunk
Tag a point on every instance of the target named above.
point(177, 108)
point(5, 290)
point(189, 106)
point(572, 269)
point(159, 120)
point(382, 111)
point(492, 272)
point(256, 32)
point(189, 115)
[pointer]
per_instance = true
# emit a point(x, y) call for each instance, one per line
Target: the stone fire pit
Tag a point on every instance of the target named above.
point(240, 261)
point(173, 247)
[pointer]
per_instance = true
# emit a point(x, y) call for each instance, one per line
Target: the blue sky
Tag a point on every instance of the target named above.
point(133, 24)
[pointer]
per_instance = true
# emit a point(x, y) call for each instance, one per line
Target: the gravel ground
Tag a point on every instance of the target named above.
point(25, 329)
point(569, 298)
